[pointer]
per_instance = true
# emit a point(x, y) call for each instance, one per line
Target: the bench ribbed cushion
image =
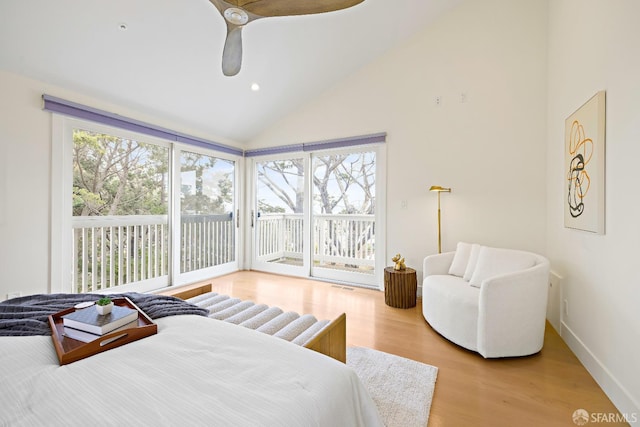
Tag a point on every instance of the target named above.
point(231, 310)
point(262, 318)
point(289, 326)
point(247, 314)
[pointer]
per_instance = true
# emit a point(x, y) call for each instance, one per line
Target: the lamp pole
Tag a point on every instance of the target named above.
point(438, 189)
point(439, 234)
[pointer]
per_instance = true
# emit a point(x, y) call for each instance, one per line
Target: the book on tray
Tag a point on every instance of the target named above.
point(88, 319)
point(83, 336)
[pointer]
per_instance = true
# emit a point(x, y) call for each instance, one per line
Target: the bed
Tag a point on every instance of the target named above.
point(195, 371)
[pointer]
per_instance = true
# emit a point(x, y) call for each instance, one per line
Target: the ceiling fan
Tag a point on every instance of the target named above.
point(238, 13)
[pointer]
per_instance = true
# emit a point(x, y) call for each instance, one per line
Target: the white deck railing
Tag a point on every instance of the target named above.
point(344, 239)
point(279, 236)
point(206, 240)
point(347, 240)
point(110, 251)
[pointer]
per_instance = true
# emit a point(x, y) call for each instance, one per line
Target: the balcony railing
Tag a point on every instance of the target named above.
point(206, 240)
point(110, 251)
point(340, 241)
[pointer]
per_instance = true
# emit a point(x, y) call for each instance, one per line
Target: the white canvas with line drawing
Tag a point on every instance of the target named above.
point(585, 167)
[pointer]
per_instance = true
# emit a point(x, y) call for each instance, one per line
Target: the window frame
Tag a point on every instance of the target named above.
point(61, 270)
point(308, 270)
point(178, 278)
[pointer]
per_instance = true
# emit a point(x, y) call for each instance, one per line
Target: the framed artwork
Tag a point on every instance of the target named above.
point(584, 163)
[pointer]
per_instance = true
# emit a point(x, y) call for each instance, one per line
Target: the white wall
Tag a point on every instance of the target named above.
point(490, 149)
point(25, 174)
point(25, 138)
point(595, 45)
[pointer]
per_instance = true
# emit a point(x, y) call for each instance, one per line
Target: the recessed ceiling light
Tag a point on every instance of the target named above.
point(255, 87)
point(122, 26)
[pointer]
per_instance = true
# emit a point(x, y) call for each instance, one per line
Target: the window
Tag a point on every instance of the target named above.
point(119, 208)
point(139, 207)
point(138, 212)
point(207, 236)
point(344, 196)
point(318, 214)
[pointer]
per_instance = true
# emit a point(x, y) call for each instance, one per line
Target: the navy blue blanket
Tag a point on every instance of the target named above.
point(25, 316)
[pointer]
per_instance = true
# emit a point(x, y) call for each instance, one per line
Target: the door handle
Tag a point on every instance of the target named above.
point(237, 218)
point(252, 213)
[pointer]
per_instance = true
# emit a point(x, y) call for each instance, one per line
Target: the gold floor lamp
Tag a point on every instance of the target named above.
point(439, 190)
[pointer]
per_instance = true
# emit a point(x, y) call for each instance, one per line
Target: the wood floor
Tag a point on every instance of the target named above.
point(540, 390)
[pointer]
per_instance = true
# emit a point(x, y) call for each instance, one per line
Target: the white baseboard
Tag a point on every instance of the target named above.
point(618, 394)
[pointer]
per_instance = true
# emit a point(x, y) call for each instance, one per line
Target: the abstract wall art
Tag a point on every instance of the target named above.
point(584, 157)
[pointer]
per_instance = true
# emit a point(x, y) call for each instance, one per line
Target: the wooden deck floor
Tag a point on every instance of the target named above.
point(540, 390)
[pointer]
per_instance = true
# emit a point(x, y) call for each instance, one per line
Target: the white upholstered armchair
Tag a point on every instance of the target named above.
point(489, 300)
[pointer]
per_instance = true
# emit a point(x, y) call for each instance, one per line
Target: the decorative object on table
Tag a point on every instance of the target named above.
point(399, 262)
point(237, 14)
point(438, 189)
point(70, 350)
point(584, 166)
point(104, 306)
point(400, 287)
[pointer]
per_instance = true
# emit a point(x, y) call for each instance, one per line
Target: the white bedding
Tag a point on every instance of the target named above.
point(194, 372)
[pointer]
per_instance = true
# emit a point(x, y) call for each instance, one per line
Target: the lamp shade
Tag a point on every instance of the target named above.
point(439, 189)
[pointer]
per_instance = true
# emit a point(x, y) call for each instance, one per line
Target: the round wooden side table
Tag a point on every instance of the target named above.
point(400, 287)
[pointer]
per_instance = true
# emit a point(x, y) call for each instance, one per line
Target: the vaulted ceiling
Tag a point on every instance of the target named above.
point(163, 57)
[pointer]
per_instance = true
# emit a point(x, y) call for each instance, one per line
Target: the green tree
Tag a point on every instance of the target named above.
point(343, 183)
point(116, 176)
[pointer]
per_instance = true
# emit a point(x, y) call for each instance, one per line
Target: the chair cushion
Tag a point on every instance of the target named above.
point(450, 306)
point(496, 261)
point(460, 259)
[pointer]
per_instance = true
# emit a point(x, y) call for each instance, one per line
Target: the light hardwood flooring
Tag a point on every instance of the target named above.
point(540, 390)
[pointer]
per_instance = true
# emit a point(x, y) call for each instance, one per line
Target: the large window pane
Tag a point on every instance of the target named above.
point(120, 207)
point(207, 234)
point(344, 211)
point(280, 204)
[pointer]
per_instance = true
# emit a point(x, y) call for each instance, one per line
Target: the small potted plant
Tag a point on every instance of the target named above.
point(104, 305)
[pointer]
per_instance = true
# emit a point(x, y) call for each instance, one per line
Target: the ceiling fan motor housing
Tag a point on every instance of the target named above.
point(236, 16)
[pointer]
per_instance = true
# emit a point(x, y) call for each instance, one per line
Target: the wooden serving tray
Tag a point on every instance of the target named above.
point(70, 350)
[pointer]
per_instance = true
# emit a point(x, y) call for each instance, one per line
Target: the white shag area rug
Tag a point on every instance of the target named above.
point(401, 388)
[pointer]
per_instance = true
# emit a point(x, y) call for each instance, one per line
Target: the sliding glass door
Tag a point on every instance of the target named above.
point(139, 213)
point(344, 216)
point(119, 207)
point(317, 214)
point(207, 216)
point(278, 217)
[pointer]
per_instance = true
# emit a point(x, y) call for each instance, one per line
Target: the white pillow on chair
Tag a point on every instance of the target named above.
point(495, 261)
point(460, 259)
point(473, 261)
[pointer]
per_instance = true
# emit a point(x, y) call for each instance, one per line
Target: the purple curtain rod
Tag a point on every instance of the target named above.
point(320, 145)
point(79, 111)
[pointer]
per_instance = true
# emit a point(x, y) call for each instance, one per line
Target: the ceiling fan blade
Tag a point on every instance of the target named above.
point(292, 7)
point(232, 53)
point(238, 13)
